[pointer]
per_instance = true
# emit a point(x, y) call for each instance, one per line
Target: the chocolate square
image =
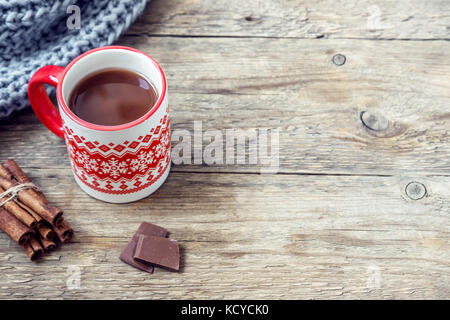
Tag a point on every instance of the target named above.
point(128, 252)
point(161, 252)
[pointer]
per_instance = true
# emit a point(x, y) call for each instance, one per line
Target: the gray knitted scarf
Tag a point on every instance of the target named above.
point(35, 33)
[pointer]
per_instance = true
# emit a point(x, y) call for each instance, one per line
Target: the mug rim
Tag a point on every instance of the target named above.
point(98, 127)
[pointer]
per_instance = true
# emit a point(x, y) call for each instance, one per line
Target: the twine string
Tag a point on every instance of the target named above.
point(12, 192)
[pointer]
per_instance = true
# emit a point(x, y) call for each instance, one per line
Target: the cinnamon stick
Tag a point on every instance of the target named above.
point(35, 244)
point(17, 173)
point(22, 215)
point(30, 198)
point(33, 255)
point(5, 173)
point(64, 232)
point(46, 232)
point(11, 171)
point(15, 229)
point(36, 217)
point(30, 211)
point(48, 245)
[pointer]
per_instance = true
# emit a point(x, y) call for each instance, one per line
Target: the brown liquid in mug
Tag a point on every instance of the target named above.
point(112, 97)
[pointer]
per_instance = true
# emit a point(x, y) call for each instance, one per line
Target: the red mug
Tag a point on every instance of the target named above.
point(116, 164)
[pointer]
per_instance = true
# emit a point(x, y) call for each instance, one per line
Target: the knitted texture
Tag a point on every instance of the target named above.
point(34, 33)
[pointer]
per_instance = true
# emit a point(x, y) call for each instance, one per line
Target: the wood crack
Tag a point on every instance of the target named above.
point(317, 37)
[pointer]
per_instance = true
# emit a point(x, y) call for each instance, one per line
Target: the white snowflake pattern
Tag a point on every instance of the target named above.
point(84, 160)
point(159, 149)
point(82, 157)
point(91, 165)
point(114, 168)
point(165, 138)
point(144, 159)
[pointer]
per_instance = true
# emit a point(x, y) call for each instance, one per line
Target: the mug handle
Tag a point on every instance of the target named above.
point(41, 103)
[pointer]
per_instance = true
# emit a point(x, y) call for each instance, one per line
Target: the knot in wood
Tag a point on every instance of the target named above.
point(374, 122)
point(252, 18)
point(415, 190)
point(339, 59)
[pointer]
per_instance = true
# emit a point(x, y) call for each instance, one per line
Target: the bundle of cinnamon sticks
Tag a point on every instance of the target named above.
point(28, 218)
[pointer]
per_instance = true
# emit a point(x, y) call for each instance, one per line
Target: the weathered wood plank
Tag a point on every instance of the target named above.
point(293, 85)
point(364, 19)
point(250, 236)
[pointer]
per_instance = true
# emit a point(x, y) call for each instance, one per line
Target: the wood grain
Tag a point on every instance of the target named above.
point(268, 236)
point(362, 19)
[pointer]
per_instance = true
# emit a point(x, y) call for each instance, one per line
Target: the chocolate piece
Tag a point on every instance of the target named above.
point(128, 252)
point(149, 229)
point(159, 251)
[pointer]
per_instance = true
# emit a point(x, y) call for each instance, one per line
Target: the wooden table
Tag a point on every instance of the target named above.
point(360, 207)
